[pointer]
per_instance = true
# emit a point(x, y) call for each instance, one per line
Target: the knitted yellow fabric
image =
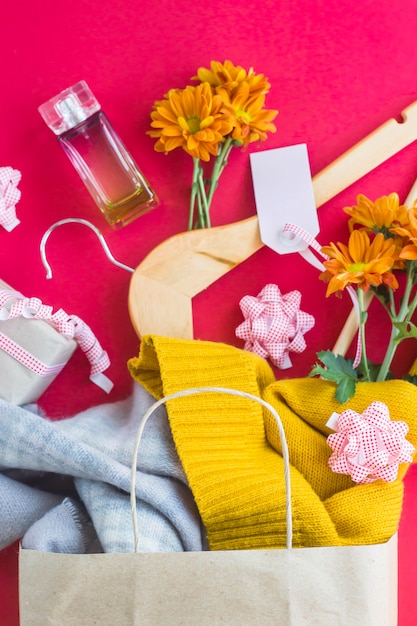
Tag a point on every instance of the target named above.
point(230, 450)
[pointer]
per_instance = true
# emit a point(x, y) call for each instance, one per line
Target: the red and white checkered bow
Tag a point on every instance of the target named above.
point(274, 326)
point(9, 197)
point(369, 445)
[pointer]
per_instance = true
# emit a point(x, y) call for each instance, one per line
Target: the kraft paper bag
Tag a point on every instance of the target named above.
point(341, 586)
point(319, 586)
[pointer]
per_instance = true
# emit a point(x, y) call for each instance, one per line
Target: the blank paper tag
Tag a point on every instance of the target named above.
point(284, 195)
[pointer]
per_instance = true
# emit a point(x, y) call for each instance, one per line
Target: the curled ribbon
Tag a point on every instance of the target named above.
point(315, 262)
point(70, 326)
point(369, 445)
point(274, 325)
point(9, 197)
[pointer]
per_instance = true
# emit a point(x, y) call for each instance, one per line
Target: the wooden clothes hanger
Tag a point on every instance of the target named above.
point(163, 285)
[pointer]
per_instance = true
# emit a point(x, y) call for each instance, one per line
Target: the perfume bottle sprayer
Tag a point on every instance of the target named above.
point(108, 170)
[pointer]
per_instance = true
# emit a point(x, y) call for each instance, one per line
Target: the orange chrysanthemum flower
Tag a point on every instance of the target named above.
point(378, 216)
point(191, 118)
point(223, 111)
point(230, 76)
point(362, 263)
point(250, 121)
point(409, 233)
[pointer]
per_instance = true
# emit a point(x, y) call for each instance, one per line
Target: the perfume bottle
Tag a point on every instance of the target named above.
point(108, 170)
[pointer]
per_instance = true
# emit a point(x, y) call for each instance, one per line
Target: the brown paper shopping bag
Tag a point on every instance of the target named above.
point(342, 586)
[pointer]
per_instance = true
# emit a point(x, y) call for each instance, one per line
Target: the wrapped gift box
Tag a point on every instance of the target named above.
point(32, 353)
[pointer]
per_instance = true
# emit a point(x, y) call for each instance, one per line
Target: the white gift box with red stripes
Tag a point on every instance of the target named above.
point(36, 344)
point(32, 353)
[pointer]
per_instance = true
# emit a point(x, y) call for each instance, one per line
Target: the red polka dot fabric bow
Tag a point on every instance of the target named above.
point(370, 445)
point(274, 325)
point(9, 197)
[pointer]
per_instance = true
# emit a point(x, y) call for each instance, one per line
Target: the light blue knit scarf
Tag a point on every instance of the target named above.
point(93, 449)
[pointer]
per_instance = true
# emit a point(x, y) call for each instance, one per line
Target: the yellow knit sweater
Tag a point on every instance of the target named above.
point(230, 449)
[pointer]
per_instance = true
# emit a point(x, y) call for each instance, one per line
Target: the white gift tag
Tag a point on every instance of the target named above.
point(284, 195)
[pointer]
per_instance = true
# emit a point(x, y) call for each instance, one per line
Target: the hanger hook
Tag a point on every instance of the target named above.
point(100, 237)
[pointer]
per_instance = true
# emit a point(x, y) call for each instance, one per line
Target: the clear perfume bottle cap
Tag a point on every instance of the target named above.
point(69, 108)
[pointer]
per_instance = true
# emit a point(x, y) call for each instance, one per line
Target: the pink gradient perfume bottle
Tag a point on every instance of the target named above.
point(108, 170)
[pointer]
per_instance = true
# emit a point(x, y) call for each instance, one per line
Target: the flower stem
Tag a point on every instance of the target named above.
point(405, 312)
point(198, 199)
point(194, 192)
point(204, 216)
point(405, 303)
point(362, 321)
point(202, 192)
point(219, 165)
point(392, 303)
point(412, 308)
point(389, 355)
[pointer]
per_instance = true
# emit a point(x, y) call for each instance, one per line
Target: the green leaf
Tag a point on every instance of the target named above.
point(337, 363)
point(339, 370)
point(407, 331)
point(345, 389)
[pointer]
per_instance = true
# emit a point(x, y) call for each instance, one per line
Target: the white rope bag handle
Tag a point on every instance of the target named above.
point(233, 392)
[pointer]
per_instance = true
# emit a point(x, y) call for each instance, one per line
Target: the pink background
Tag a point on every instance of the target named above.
point(338, 70)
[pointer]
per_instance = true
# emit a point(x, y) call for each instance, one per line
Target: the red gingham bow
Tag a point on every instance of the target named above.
point(274, 326)
point(308, 256)
point(9, 197)
point(369, 446)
